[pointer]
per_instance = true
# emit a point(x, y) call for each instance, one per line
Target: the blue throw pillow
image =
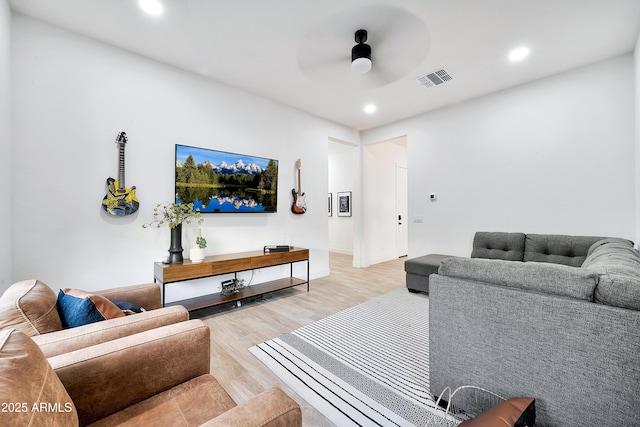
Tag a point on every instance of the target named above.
point(128, 306)
point(79, 308)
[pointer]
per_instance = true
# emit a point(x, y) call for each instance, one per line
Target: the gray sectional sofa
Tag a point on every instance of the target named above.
point(546, 316)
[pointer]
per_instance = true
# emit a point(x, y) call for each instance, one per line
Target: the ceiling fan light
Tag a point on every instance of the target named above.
point(361, 65)
point(361, 58)
point(361, 54)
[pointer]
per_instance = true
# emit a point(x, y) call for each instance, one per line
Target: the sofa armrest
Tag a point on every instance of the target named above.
point(272, 408)
point(108, 377)
point(67, 340)
point(146, 295)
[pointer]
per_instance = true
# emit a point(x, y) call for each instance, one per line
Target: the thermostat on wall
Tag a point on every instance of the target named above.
point(433, 197)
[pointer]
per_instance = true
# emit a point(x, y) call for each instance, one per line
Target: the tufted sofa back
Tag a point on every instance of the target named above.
point(498, 245)
point(558, 249)
point(551, 248)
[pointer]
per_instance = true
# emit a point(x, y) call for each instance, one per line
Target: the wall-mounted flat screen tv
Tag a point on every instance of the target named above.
point(221, 182)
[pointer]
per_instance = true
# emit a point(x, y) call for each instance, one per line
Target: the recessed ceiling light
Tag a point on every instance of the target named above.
point(152, 7)
point(519, 54)
point(370, 108)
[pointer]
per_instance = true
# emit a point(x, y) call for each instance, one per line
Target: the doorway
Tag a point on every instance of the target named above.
point(402, 235)
point(377, 176)
point(385, 189)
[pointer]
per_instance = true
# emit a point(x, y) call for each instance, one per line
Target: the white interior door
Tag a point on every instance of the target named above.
point(402, 239)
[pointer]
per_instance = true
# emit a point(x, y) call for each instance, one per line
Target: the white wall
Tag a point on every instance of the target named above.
point(5, 144)
point(341, 178)
point(72, 95)
point(553, 156)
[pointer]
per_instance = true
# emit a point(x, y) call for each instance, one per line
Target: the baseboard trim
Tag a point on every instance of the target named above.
point(341, 251)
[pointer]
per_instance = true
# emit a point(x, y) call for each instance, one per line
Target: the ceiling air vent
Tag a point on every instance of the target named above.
point(434, 78)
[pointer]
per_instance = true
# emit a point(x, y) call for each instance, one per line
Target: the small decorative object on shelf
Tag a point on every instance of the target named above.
point(174, 215)
point(196, 253)
point(232, 286)
point(276, 248)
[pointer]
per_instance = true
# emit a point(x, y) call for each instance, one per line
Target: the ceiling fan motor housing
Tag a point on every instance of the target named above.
point(361, 54)
point(361, 50)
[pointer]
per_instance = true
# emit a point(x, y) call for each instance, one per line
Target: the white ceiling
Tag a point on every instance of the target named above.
point(297, 52)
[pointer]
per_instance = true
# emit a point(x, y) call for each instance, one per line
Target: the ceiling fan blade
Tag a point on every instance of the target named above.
point(315, 58)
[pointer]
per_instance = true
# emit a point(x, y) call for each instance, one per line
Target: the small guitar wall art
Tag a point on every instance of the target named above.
point(120, 200)
point(299, 205)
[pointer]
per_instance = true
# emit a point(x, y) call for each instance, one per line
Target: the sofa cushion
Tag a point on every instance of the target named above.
point(30, 391)
point(424, 265)
point(191, 403)
point(548, 278)
point(618, 264)
point(30, 306)
point(558, 249)
point(514, 412)
point(78, 308)
point(498, 245)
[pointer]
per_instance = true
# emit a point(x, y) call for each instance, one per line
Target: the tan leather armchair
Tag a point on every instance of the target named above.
point(156, 377)
point(30, 306)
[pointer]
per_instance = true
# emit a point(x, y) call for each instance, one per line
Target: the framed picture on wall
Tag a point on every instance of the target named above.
point(330, 200)
point(344, 203)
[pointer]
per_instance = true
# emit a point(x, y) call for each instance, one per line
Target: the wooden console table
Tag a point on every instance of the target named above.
point(230, 263)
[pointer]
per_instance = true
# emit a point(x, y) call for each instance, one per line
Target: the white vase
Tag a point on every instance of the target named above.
point(196, 255)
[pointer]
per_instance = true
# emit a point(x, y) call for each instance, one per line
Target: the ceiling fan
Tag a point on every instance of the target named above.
point(361, 54)
point(393, 45)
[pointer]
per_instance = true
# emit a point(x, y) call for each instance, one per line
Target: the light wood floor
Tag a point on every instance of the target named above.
point(235, 329)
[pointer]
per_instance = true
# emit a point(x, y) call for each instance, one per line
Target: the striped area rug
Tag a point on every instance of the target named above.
point(367, 365)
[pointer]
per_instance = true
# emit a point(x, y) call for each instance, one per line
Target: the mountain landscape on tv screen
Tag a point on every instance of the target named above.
point(237, 167)
point(219, 182)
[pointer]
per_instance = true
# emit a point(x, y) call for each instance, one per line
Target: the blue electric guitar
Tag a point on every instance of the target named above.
point(120, 200)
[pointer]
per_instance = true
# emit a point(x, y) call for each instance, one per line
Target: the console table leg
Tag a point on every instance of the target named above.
point(161, 285)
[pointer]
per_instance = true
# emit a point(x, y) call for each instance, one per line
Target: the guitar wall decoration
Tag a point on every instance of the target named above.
point(120, 200)
point(299, 204)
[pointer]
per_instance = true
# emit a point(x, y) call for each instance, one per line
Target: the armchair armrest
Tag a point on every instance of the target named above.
point(67, 340)
point(272, 408)
point(108, 377)
point(146, 295)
